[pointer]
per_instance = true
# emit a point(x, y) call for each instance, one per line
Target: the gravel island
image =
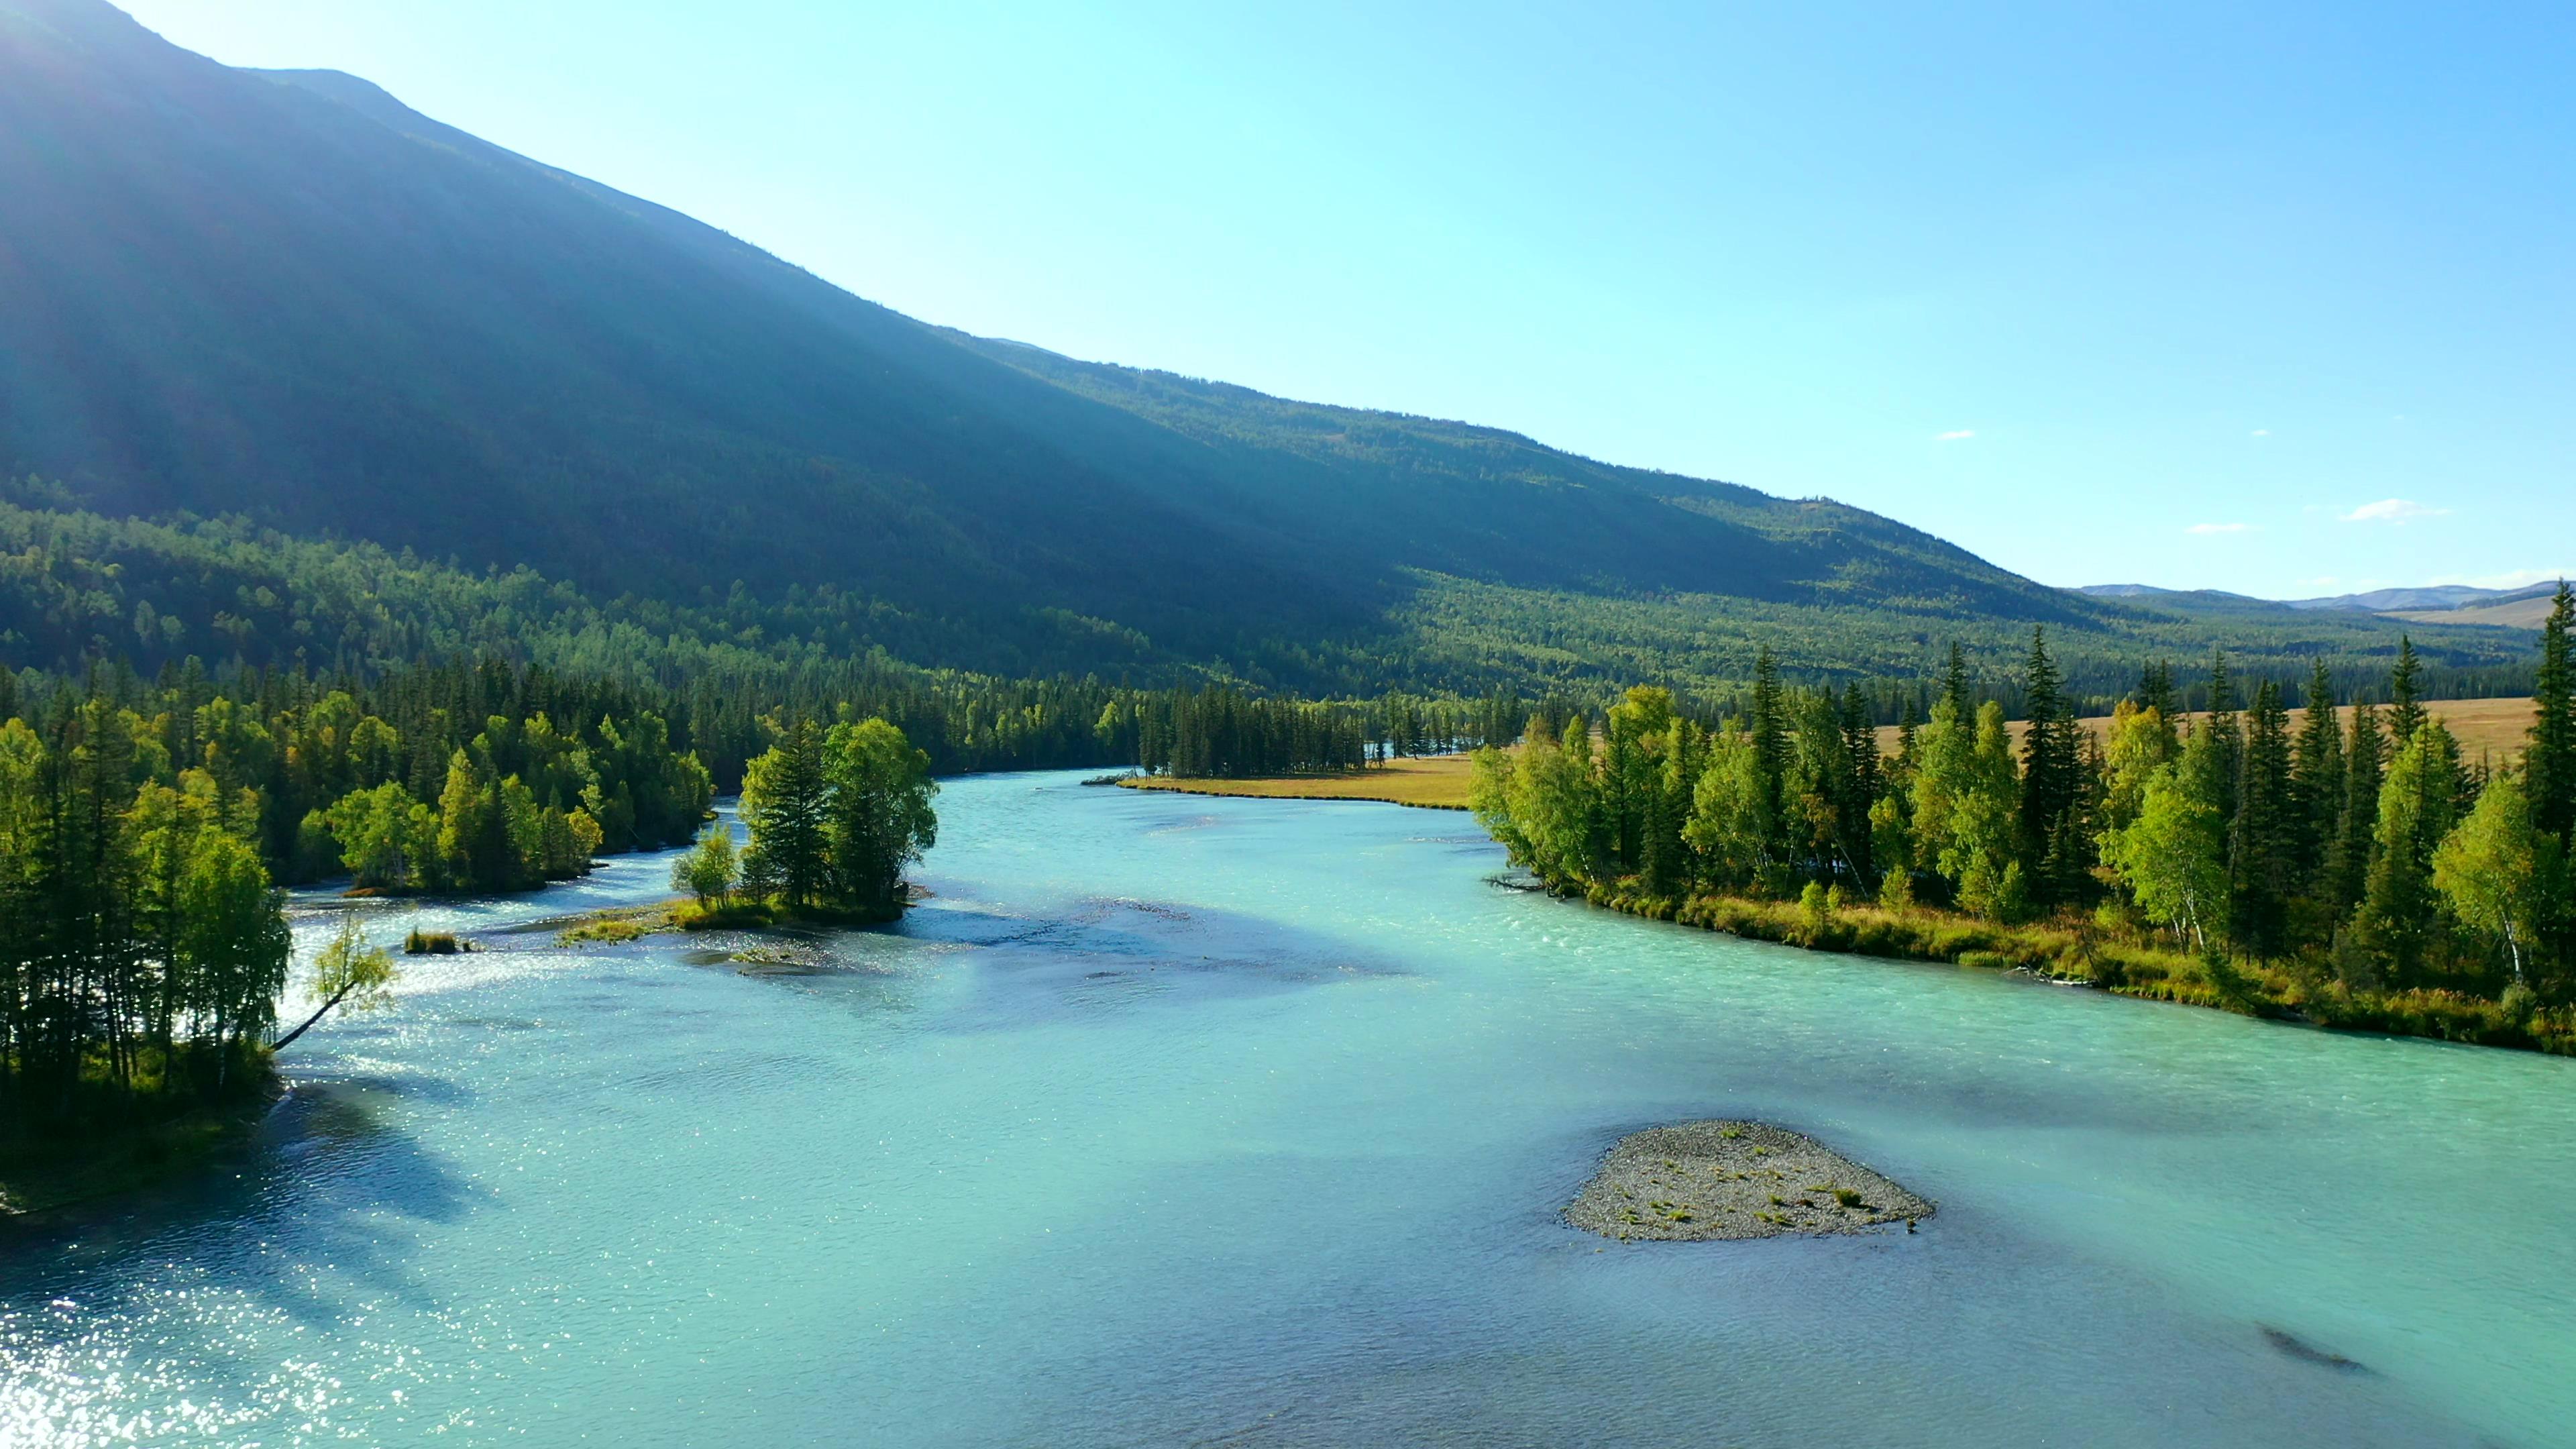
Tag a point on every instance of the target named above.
point(1695, 1181)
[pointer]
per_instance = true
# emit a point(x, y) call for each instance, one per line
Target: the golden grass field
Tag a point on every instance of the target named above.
point(1438, 783)
point(2493, 727)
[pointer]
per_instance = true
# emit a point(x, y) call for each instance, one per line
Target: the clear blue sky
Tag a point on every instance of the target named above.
point(2283, 303)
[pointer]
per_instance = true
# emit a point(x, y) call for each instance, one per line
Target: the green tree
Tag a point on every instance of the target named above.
point(2365, 760)
point(2051, 781)
point(786, 802)
point(2317, 777)
point(2498, 871)
point(348, 970)
point(232, 943)
point(2417, 805)
point(1731, 828)
point(2405, 695)
point(2262, 846)
point(387, 839)
point(709, 870)
point(2173, 855)
point(879, 818)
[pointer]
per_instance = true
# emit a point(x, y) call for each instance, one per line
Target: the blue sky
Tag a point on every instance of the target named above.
point(2276, 302)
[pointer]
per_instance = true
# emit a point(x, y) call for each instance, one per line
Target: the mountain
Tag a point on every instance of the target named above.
point(286, 298)
point(2521, 607)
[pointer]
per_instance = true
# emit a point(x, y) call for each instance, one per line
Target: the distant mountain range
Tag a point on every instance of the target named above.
point(286, 298)
point(2523, 607)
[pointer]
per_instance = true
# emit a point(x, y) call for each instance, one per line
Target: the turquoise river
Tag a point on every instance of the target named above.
point(1178, 1121)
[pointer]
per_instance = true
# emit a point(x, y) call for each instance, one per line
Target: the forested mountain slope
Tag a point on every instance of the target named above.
point(286, 297)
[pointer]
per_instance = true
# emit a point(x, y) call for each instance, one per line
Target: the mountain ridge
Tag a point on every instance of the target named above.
point(286, 296)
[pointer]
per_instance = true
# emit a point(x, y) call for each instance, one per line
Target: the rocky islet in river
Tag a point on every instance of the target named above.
point(1699, 1181)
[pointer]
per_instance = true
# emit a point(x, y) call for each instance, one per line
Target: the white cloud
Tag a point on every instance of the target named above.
point(2220, 528)
point(1960, 436)
point(2262, 432)
point(2392, 510)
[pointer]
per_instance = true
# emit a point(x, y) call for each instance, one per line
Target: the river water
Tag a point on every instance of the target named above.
point(1173, 1120)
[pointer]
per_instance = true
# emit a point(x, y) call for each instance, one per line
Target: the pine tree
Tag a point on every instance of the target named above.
point(2317, 781)
point(2365, 758)
point(2405, 689)
point(2155, 690)
point(785, 796)
point(2049, 784)
point(1770, 728)
point(1954, 683)
point(2225, 738)
point(2550, 763)
point(2262, 838)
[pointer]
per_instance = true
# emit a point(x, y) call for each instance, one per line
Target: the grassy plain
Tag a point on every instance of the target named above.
point(1436, 783)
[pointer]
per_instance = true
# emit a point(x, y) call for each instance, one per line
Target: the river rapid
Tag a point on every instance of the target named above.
point(1177, 1120)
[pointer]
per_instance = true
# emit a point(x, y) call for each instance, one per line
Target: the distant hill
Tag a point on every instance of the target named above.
point(2525, 607)
point(288, 298)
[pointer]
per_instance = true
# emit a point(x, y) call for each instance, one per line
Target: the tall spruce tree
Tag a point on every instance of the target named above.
point(2549, 765)
point(2155, 689)
point(2317, 779)
point(2050, 787)
point(1954, 681)
point(2365, 760)
point(2405, 695)
point(1770, 728)
point(2262, 838)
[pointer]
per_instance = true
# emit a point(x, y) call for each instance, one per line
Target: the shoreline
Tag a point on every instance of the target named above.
point(1421, 782)
point(2072, 954)
point(2064, 951)
point(37, 1189)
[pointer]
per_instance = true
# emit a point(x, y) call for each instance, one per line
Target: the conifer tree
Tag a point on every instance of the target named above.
point(785, 796)
point(1954, 683)
point(2405, 690)
point(2550, 762)
point(2049, 786)
point(2365, 757)
point(2155, 692)
point(1770, 730)
point(2262, 839)
point(2317, 781)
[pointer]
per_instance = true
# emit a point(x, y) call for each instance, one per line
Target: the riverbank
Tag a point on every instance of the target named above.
point(1437, 782)
point(630, 923)
point(42, 1177)
point(2072, 950)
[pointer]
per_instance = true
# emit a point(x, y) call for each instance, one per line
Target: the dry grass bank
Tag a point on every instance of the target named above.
point(1437, 783)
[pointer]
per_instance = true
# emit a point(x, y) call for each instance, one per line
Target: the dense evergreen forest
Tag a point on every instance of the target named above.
point(77, 586)
point(2363, 873)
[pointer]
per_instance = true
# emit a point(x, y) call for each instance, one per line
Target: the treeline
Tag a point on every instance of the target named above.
point(463, 777)
point(1223, 733)
point(79, 587)
point(2362, 856)
point(141, 946)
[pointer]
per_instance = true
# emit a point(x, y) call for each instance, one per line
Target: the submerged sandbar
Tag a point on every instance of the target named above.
point(1696, 1181)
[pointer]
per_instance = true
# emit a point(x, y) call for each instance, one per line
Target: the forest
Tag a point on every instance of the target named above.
point(2359, 873)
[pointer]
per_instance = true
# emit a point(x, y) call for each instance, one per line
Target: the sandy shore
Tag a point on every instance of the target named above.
point(1695, 1181)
